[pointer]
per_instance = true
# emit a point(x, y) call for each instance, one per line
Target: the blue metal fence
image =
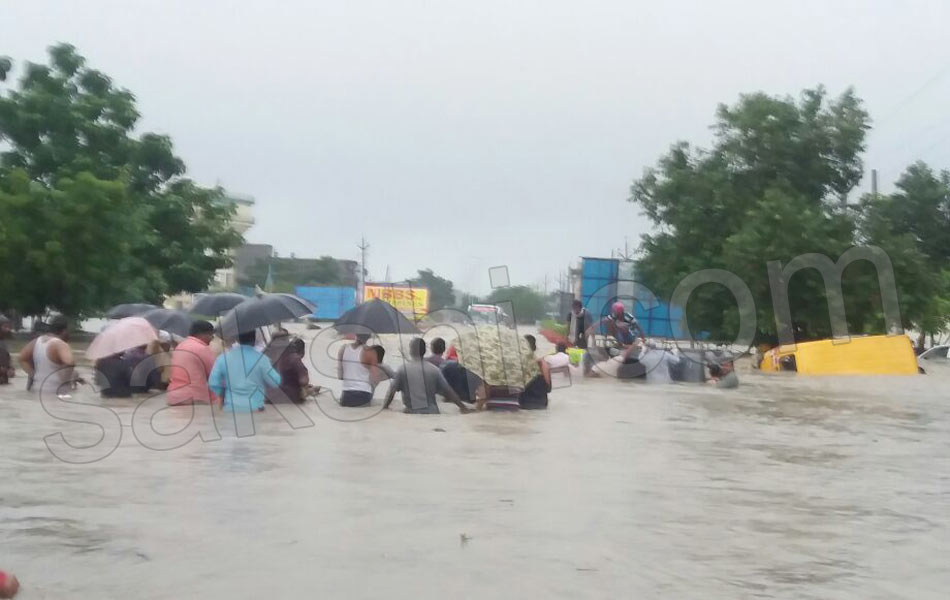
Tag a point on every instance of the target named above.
point(331, 302)
point(599, 279)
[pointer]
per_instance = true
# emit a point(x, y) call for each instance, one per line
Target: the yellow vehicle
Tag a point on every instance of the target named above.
point(866, 355)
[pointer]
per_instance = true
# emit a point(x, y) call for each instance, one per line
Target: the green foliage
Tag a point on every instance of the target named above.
point(552, 325)
point(290, 272)
point(770, 188)
point(441, 292)
point(186, 262)
point(465, 299)
point(528, 305)
point(913, 227)
point(92, 215)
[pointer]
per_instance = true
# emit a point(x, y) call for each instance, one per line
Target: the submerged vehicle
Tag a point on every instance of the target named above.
point(488, 314)
point(859, 355)
point(934, 360)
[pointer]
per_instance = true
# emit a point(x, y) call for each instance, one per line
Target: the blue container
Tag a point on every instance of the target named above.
point(331, 302)
point(599, 278)
point(599, 285)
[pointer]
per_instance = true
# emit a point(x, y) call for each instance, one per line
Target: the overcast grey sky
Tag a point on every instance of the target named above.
point(461, 135)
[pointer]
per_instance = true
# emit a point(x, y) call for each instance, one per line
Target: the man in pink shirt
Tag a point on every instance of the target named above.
point(191, 364)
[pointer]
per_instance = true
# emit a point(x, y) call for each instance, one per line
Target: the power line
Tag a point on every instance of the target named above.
point(915, 94)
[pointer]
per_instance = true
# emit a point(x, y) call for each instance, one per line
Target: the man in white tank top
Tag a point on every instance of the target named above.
point(354, 365)
point(48, 359)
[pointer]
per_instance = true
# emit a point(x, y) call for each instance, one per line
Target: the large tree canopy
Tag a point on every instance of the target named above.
point(528, 305)
point(441, 291)
point(287, 273)
point(772, 187)
point(90, 212)
point(913, 226)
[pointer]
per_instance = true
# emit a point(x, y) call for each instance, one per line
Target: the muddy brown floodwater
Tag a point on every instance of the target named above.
point(789, 487)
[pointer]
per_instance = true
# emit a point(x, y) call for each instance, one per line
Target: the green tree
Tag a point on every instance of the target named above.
point(108, 215)
point(528, 304)
point(288, 273)
point(441, 292)
point(465, 299)
point(913, 226)
point(771, 187)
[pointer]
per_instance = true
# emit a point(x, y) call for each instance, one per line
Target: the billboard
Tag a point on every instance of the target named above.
point(410, 301)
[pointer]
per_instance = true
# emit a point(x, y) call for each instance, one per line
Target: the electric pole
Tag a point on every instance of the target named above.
point(363, 248)
point(623, 254)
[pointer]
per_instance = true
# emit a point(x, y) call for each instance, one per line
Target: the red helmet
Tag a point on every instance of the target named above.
point(618, 308)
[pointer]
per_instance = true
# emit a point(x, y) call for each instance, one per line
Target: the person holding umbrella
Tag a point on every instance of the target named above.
point(242, 376)
point(356, 360)
point(118, 354)
point(354, 363)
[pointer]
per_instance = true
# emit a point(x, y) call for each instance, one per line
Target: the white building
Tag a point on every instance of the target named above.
point(242, 221)
point(223, 278)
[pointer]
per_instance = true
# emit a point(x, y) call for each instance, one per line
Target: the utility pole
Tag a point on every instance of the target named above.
point(874, 182)
point(363, 248)
point(625, 254)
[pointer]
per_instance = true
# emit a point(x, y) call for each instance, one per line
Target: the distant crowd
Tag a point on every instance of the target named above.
point(250, 373)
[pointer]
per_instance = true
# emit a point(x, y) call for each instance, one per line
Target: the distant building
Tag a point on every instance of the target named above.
point(247, 256)
point(242, 220)
point(224, 279)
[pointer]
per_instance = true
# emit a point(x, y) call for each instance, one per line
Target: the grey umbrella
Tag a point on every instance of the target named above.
point(374, 317)
point(260, 312)
point(121, 311)
point(292, 300)
point(173, 321)
point(214, 304)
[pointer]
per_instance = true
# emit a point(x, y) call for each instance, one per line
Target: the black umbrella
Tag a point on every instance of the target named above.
point(374, 317)
point(122, 311)
point(260, 312)
point(292, 300)
point(173, 321)
point(216, 303)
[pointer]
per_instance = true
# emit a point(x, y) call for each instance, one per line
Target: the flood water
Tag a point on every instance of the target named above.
point(785, 488)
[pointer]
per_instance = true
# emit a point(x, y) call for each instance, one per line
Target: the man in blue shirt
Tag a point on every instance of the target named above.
point(242, 375)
